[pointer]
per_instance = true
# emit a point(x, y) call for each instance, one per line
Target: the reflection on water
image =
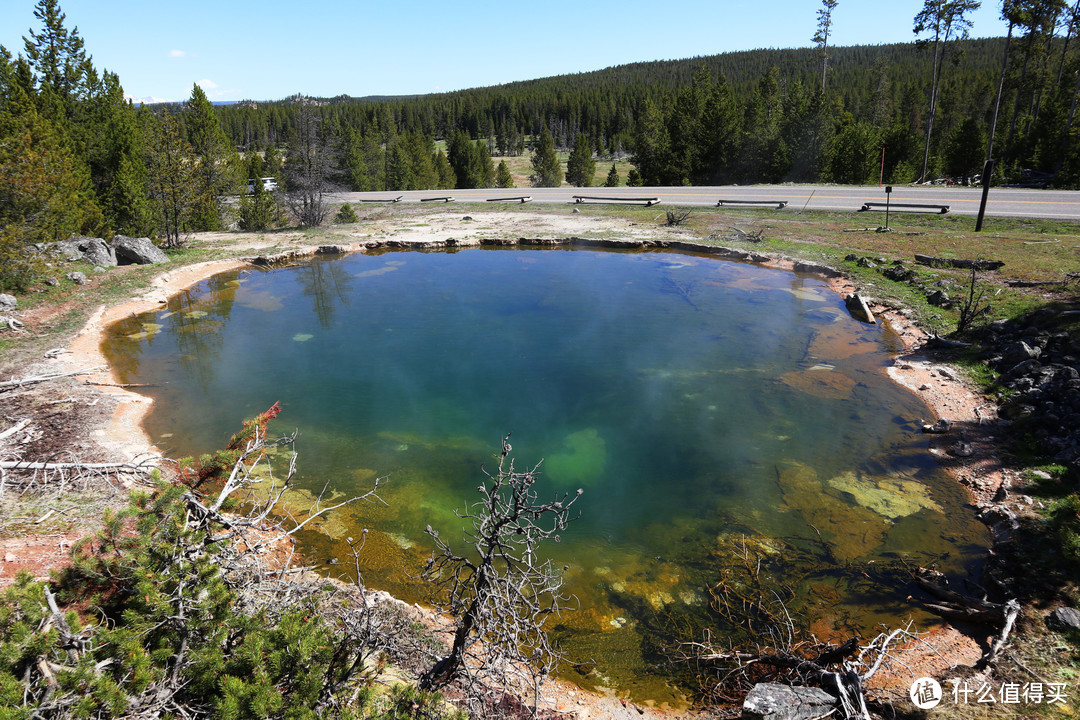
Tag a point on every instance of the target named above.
point(706, 407)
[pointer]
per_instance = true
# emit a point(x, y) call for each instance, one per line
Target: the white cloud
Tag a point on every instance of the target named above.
point(177, 53)
point(207, 84)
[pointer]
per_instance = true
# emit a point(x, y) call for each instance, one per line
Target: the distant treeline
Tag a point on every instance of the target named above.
point(76, 157)
point(756, 116)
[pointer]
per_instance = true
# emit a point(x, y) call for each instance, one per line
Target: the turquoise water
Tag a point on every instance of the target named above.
point(697, 402)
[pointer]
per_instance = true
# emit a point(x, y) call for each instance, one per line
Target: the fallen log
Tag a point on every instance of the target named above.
point(957, 606)
point(859, 309)
point(28, 465)
point(15, 428)
point(8, 384)
point(978, 264)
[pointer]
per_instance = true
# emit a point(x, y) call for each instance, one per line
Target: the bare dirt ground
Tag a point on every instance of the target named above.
point(90, 417)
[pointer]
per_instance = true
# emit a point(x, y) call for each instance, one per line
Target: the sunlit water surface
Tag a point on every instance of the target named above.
point(704, 407)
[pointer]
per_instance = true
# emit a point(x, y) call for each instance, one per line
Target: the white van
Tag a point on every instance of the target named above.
point(269, 184)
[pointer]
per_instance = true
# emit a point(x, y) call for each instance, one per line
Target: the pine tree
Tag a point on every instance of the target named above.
point(633, 178)
point(113, 144)
point(545, 163)
point(503, 178)
point(612, 177)
point(57, 57)
point(485, 168)
point(171, 166)
point(447, 179)
point(44, 187)
point(945, 20)
point(581, 166)
point(214, 173)
point(821, 37)
point(259, 210)
point(652, 151)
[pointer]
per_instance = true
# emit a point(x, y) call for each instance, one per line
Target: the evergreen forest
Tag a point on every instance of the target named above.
point(79, 158)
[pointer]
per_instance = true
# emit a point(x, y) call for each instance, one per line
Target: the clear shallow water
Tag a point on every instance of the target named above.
point(696, 401)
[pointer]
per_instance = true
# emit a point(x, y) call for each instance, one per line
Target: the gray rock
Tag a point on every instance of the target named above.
point(769, 701)
point(1064, 618)
point(89, 249)
point(8, 302)
point(96, 251)
point(939, 298)
point(77, 277)
point(51, 281)
point(99, 269)
point(66, 249)
point(138, 251)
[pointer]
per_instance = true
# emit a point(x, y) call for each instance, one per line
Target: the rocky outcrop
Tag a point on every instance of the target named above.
point(769, 701)
point(88, 249)
point(137, 251)
point(1039, 364)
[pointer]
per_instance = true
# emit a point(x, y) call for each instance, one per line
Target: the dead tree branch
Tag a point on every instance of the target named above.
point(957, 606)
point(501, 593)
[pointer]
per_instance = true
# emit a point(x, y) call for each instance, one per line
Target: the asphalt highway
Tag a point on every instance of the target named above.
point(1003, 202)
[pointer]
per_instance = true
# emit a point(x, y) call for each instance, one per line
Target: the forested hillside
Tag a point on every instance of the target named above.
point(76, 157)
point(757, 116)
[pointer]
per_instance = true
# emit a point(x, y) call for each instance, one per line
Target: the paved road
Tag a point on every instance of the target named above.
point(1004, 202)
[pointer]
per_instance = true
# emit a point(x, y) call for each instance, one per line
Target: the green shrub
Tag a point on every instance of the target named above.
point(1064, 517)
point(345, 214)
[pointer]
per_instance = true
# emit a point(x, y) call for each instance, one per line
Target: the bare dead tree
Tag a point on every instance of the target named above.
point(973, 306)
point(677, 217)
point(501, 592)
point(307, 170)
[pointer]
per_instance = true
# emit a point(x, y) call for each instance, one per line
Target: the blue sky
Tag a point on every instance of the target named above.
point(271, 49)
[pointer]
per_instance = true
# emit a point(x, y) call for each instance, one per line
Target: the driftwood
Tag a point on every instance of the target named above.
point(858, 308)
point(27, 465)
point(14, 429)
point(8, 384)
point(740, 234)
point(936, 342)
point(957, 606)
point(11, 323)
point(857, 665)
point(978, 264)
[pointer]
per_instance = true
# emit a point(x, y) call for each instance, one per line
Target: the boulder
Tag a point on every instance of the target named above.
point(769, 701)
point(96, 251)
point(137, 251)
point(77, 277)
point(8, 302)
point(939, 298)
point(1064, 618)
point(90, 249)
point(66, 249)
